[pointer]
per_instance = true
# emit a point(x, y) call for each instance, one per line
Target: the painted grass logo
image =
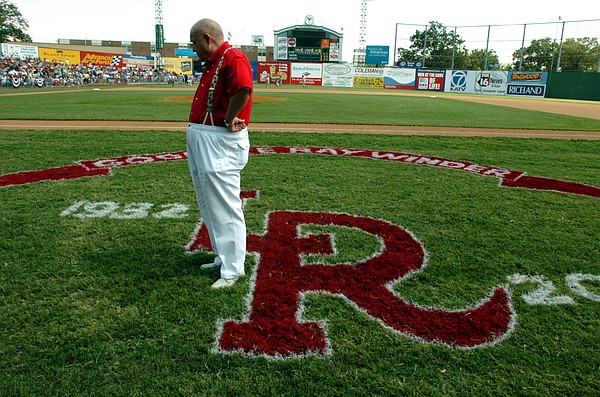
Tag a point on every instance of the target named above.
point(102, 167)
point(273, 326)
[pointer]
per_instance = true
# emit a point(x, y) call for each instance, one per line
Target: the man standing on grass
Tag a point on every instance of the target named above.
point(218, 145)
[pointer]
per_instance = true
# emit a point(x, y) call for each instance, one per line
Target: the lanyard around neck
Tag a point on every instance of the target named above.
point(211, 91)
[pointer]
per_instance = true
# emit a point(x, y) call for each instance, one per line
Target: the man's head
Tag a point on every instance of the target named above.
point(206, 36)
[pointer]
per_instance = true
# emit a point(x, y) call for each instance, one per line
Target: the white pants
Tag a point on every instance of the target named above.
point(215, 158)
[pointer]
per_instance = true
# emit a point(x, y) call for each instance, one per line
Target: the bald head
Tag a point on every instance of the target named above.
point(211, 27)
point(206, 36)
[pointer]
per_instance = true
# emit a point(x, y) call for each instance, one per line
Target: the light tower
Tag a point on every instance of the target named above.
point(361, 52)
point(159, 30)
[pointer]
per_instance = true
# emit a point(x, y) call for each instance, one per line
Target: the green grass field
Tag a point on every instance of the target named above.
point(99, 298)
point(154, 103)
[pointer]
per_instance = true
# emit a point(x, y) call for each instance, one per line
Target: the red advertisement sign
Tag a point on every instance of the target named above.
point(274, 72)
point(102, 59)
point(431, 80)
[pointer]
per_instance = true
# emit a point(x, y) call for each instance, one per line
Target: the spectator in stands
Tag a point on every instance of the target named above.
point(59, 74)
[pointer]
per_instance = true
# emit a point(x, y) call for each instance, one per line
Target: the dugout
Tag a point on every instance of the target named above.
point(308, 43)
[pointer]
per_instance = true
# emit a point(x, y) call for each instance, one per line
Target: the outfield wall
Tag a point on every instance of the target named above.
point(569, 85)
point(531, 84)
point(574, 85)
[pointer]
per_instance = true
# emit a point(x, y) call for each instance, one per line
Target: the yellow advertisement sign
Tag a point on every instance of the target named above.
point(179, 65)
point(54, 54)
point(367, 82)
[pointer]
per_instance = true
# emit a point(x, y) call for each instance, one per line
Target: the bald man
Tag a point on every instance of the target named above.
point(218, 146)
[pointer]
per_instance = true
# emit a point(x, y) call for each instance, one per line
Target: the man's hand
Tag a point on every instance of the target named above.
point(236, 125)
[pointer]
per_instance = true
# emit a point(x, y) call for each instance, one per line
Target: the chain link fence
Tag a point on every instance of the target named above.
point(504, 41)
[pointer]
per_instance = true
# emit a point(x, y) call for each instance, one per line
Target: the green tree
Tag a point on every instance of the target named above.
point(439, 46)
point(12, 23)
point(580, 55)
point(541, 55)
point(476, 60)
point(577, 55)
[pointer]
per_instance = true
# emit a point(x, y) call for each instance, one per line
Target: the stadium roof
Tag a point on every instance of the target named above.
point(308, 27)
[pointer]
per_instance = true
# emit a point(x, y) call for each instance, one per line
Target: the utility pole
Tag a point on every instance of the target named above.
point(562, 34)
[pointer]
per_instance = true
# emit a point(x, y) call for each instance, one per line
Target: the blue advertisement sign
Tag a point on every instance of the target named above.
point(459, 81)
point(138, 57)
point(377, 55)
point(405, 64)
point(527, 84)
point(184, 52)
point(526, 90)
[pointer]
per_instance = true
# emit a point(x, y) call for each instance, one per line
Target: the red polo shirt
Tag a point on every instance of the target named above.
point(235, 74)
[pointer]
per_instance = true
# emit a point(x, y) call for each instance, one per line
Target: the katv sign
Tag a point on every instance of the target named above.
point(377, 55)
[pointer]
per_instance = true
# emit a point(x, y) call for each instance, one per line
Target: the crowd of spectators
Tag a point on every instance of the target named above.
point(35, 72)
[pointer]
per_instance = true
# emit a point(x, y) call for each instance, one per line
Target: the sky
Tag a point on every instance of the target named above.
point(134, 20)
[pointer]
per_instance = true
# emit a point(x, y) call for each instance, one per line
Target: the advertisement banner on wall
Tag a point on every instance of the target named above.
point(185, 52)
point(377, 55)
point(526, 90)
point(138, 61)
point(312, 72)
point(19, 51)
point(337, 75)
point(368, 72)
point(491, 82)
point(399, 79)
point(527, 84)
point(178, 65)
point(367, 82)
point(101, 59)
point(460, 81)
point(334, 51)
point(278, 72)
point(535, 78)
point(65, 56)
point(282, 48)
point(476, 82)
point(368, 77)
point(431, 80)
